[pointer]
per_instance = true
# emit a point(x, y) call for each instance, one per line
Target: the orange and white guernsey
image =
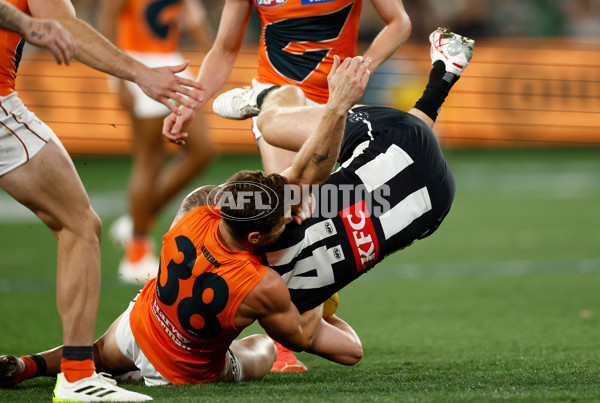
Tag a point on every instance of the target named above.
point(183, 320)
point(149, 26)
point(299, 39)
point(11, 48)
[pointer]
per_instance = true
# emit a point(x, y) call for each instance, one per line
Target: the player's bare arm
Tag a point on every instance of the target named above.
point(395, 32)
point(39, 32)
point(270, 304)
point(94, 50)
point(316, 159)
point(216, 66)
point(203, 196)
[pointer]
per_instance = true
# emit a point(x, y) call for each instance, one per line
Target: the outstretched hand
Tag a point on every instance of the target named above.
point(347, 81)
point(175, 124)
point(52, 36)
point(163, 85)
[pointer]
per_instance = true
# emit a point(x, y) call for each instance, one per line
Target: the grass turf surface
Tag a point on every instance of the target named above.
point(502, 303)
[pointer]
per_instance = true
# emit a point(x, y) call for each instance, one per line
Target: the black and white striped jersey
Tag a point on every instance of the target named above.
point(393, 187)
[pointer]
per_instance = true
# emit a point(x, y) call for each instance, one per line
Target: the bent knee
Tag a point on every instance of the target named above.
point(85, 226)
point(355, 355)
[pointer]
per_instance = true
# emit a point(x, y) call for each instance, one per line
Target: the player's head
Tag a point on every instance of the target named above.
point(252, 207)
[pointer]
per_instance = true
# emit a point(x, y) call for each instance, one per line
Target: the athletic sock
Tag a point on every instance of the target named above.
point(260, 98)
point(35, 366)
point(77, 362)
point(438, 87)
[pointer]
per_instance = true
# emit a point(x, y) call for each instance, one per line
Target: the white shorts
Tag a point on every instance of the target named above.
point(144, 106)
point(130, 349)
point(261, 86)
point(22, 134)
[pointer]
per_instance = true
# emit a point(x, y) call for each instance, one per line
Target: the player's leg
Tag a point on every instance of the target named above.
point(285, 119)
point(107, 358)
point(336, 341)
point(48, 184)
point(186, 165)
point(256, 354)
point(450, 55)
point(274, 159)
point(140, 261)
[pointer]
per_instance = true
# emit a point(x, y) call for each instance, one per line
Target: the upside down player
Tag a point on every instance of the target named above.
point(380, 146)
point(384, 150)
point(298, 39)
point(210, 286)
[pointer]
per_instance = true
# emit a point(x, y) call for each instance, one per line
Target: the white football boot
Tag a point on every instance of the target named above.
point(453, 49)
point(96, 388)
point(139, 264)
point(238, 103)
point(121, 230)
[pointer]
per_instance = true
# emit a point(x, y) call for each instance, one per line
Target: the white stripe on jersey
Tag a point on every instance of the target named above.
point(314, 233)
point(402, 214)
point(383, 167)
point(358, 150)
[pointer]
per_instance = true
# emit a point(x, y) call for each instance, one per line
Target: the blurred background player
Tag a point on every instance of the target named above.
point(36, 170)
point(150, 31)
point(297, 43)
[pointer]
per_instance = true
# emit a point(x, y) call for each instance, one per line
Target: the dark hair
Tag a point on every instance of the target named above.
point(250, 216)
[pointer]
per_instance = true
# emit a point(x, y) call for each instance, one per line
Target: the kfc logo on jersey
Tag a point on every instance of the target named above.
point(269, 3)
point(362, 235)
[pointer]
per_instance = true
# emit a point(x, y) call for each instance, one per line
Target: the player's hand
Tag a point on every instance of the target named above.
point(163, 85)
point(347, 81)
point(305, 209)
point(52, 36)
point(174, 124)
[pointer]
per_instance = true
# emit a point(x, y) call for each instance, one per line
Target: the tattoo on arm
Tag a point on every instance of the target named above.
point(318, 158)
point(200, 197)
point(10, 17)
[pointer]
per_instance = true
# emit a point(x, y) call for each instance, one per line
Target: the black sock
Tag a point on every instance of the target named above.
point(261, 96)
point(438, 87)
point(78, 353)
point(40, 363)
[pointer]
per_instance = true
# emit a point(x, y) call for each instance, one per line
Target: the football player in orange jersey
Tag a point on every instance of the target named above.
point(149, 31)
point(36, 170)
point(382, 148)
point(297, 43)
point(181, 327)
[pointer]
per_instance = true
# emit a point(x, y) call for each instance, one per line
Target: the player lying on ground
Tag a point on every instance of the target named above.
point(210, 286)
point(381, 148)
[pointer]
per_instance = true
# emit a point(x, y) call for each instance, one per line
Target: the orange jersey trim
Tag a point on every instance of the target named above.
point(150, 26)
point(183, 320)
point(299, 39)
point(11, 48)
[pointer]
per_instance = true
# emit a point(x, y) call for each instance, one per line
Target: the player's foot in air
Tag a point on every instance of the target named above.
point(238, 103)
point(96, 388)
point(453, 49)
point(139, 264)
point(10, 368)
point(286, 361)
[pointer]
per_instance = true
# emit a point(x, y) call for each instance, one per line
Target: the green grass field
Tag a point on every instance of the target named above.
point(501, 304)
